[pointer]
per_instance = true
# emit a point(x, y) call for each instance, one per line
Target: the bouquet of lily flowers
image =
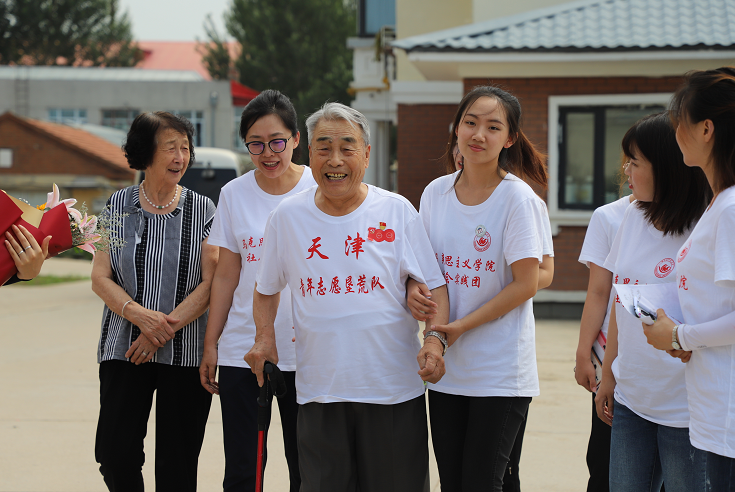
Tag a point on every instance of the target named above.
point(68, 227)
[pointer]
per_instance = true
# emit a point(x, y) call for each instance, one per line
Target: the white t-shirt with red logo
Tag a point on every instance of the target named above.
point(706, 279)
point(650, 382)
point(475, 246)
point(239, 226)
point(355, 337)
point(598, 240)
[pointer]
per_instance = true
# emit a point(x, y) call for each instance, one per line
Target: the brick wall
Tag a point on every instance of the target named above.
point(36, 153)
point(423, 131)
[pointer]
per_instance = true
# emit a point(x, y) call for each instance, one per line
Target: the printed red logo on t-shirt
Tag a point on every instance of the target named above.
point(482, 239)
point(664, 267)
point(684, 252)
point(381, 234)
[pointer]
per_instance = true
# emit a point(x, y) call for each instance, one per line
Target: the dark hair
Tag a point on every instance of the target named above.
point(710, 95)
point(141, 145)
point(270, 102)
point(680, 192)
point(521, 158)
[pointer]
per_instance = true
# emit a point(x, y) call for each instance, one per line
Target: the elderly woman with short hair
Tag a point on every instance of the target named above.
point(156, 293)
point(346, 250)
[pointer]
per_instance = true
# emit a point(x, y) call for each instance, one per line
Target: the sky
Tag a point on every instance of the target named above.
point(173, 20)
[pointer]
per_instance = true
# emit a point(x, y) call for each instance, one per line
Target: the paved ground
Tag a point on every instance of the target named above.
point(49, 402)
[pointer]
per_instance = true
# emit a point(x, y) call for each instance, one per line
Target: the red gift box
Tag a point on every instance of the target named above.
point(55, 223)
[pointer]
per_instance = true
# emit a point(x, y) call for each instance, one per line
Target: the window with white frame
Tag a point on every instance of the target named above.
point(197, 119)
point(585, 153)
point(67, 116)
point(6, 158)
point(119, 118)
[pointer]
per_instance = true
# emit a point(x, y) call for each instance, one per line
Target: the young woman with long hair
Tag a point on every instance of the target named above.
point(643, 393)
point(486, 226)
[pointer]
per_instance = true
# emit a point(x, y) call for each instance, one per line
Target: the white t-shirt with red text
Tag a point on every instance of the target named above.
point(475, 246)
point(239, 226)
point(598, 240)
point(356, 340)
point(650, 382)
point(706, 279)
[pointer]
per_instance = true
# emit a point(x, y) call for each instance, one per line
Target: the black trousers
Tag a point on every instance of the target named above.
point(351, 447)
point(182, 408)
point(239, 391)
point(598, 454)
point(473, 438)
point(511, 479)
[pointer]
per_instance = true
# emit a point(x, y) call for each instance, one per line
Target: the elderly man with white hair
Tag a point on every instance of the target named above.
point(347, 249)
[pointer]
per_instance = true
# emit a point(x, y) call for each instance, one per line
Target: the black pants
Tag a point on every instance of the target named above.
point(351, 447)
point(239, 391)
point(598, 454)
point(511, 479)
point(182, 408)
point(473, 438)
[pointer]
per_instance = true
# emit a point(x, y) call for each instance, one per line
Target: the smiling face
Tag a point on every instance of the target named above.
point(338, 158)
point(483, 132)
point(170, 159)
point(271, 127)
point(640, 177)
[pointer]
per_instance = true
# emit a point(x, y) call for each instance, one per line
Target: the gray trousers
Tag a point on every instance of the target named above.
point(363, 447)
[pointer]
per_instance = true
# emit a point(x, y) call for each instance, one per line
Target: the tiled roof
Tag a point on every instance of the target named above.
point(176, 55)
point(593, 25)
point(78, 139)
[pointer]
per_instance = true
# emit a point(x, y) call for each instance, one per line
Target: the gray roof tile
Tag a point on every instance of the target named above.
point(593, 25)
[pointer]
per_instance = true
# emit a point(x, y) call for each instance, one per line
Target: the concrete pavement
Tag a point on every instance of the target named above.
point(49, 403)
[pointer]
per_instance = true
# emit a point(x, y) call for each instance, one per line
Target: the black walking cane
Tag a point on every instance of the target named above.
point(271, 376)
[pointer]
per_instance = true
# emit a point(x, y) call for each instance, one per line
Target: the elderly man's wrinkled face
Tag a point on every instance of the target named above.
point(338, 158)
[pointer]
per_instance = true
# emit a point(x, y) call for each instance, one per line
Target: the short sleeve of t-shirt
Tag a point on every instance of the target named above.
point(596, 244)
point(545, 228)
point(271, 278)
point(724, 254)
point(221, 235)
point(522, 237)
point(610, 261)
point(420, 257)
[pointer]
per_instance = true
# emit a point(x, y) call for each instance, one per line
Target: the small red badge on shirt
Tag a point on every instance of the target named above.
point(482, 238)
point(381, 234)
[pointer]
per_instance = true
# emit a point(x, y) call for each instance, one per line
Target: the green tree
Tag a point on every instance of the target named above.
point(66, 32)
point(298, 47)
point(215, 53)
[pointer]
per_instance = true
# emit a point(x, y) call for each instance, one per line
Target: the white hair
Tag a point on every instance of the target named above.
point(333, 111)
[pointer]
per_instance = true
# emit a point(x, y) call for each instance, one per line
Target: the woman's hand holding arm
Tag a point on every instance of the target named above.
point(418, 298)
point(156, 326)
point(593, 315)
point(605, 399)
point(224, 284)
point(518, 291)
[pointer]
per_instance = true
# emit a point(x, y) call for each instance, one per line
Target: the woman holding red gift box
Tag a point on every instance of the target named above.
point(156, 290)
point(26, 253)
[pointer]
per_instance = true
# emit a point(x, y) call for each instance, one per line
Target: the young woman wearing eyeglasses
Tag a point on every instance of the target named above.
point(269, 128)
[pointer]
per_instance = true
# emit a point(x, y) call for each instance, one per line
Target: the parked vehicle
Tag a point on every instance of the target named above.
point(211, 170)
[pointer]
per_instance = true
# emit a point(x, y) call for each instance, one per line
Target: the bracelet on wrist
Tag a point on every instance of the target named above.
point(432, 333)
point(122, 311)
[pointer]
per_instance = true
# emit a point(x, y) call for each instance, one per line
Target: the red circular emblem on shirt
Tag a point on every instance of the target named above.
point(664, 267)
point(684, 251)
point(482, 243)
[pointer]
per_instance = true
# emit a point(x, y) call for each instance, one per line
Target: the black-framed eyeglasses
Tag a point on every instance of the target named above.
point(277, 145)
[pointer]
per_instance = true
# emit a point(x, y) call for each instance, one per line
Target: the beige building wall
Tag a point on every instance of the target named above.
point(414, 17)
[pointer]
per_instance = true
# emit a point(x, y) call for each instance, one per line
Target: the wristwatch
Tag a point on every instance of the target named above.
point(674, 339)
point(432, 333)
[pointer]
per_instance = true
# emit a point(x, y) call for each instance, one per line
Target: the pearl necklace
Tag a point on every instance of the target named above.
point(159, 207)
